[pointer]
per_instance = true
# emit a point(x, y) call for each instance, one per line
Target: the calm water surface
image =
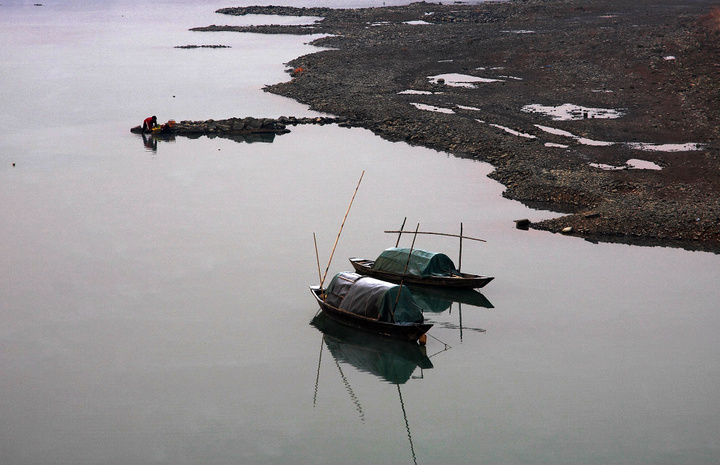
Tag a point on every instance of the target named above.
point(155, 305)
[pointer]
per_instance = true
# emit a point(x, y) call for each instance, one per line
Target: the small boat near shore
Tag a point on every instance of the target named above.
point(418, 267)
point(372, 305)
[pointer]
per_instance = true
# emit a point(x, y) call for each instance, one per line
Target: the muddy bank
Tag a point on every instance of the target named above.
point(474, 80)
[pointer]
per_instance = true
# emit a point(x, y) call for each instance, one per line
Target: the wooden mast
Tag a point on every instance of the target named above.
point(407, 265)
point(461, 236)
point(317, 257)
point(322, 280)
point(397, 243)
point(460, 254)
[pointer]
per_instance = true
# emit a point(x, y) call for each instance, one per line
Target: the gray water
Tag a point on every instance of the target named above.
point(155, 308)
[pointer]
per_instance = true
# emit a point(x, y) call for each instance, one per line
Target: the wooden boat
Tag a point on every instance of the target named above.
point(372, 305)
point(419, 267)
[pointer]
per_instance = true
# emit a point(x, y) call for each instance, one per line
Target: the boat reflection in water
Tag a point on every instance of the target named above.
point(391, 360)
point(439, 300)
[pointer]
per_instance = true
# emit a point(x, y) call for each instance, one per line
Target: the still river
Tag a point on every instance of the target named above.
point(155, 308)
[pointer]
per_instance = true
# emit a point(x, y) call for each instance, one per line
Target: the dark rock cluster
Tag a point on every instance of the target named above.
point(202, 46)
point(231, 126)
point(249, 125)
point(246, 129)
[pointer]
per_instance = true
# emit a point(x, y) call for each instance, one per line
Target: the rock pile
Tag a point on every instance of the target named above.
point(249, 125)
point(231, 126)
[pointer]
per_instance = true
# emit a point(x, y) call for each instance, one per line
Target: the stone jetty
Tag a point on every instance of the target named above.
point(233, 127)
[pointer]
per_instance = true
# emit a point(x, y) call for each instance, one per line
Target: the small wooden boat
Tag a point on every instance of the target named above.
point(372, 305)
point(419, 267)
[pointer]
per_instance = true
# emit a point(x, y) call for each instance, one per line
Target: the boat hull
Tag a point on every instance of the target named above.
point(404, 331)
point(464, 281)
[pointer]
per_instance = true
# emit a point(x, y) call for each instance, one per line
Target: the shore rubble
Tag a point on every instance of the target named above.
point(456, 78)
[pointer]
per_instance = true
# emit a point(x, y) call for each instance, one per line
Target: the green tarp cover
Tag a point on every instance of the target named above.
point(373, 298)
point(422, 262)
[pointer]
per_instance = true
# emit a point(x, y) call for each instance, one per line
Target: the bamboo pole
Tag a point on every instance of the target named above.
point(407, 265)
point(397, 243)
point(322, 281)
point(317, 257)
point(460, 254)
point(439, 234)
point(407, 425)
point(460, 320)
point(317, 377)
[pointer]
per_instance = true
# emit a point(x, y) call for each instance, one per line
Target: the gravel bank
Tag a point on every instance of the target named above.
point(474, 80)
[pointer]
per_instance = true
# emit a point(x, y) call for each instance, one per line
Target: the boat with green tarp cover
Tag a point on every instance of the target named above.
point(417, 266)
point(373, 305)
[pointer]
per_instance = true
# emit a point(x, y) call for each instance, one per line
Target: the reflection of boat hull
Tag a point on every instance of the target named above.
point(391, 359)
point(437, 299)
point(461, 281)
point(405, 331)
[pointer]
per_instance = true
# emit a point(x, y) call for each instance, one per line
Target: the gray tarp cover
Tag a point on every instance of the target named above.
point(422, 262)
point(373, 298)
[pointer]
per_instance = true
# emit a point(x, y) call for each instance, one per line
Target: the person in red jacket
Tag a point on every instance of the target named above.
point(149, 124)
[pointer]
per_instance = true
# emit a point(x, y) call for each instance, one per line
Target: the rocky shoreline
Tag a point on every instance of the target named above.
point(655, 64)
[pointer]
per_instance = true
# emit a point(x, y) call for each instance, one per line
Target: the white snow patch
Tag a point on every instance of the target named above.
point(570, 112)
point(415, 92)
point(605, 167)
point(559, 146)
point(514, 132)
point(594, 143)
point(557, 132)
point(642, 165)
point(691, 146)
point(633, 164)
point(581, 140)
point(422, 106)
point(463, 107)
point(461, 80)
point(649, 147)
point(416, 23)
